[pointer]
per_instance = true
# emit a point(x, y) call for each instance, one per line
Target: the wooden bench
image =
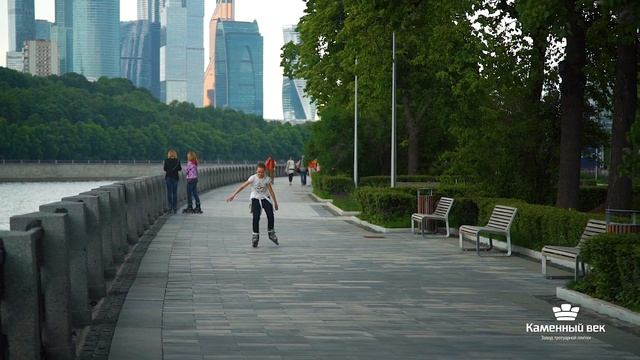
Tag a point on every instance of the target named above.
point(594, 227)
point(499, 224)
point(441, 213)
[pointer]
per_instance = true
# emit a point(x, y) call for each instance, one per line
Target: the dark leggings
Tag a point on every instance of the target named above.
point(290, 177)
point(256, 209)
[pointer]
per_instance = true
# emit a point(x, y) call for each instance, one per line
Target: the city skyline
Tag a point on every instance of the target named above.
point(270, 20)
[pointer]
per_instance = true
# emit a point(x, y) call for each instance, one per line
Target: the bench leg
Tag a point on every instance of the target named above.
point(447, 225)
point(543, 261)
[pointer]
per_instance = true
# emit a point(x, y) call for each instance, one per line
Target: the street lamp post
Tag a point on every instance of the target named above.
point(393, 114)
point(355, 131)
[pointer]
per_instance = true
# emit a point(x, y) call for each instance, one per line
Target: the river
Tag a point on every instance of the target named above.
point(18, 198)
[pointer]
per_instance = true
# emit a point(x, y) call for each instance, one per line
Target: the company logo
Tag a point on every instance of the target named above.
point(566, 312)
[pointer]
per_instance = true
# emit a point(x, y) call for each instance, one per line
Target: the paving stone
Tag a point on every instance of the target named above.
point(329, 292)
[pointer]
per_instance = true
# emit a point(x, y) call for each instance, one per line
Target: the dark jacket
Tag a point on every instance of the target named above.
point(171, 167)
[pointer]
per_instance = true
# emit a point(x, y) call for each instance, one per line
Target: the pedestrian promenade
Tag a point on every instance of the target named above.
point(333, 290)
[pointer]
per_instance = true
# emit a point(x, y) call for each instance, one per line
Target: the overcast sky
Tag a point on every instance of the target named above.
point(271, 19)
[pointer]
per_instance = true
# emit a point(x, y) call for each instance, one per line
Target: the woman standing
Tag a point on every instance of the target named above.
point(291, 169)
point(171, 169)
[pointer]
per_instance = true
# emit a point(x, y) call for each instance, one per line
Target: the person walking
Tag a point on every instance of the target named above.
point(192, 184)
point(262, 196)
point(303, 170)
point(291, 169)
point(271, 168)
point(172, 168)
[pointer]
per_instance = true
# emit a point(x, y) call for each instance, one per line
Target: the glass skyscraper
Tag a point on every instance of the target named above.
point(224, 11)
point(43, 30)
point(22, 23)
point(238, 67)
point(181, 51)
point(139, 56)
point(96, 38)
point(62, 34)
point(296, 105)
point(149, 10)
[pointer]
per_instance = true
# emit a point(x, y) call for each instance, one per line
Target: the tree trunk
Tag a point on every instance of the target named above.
point(624, 113)
point(571, 110)
point(413, 134)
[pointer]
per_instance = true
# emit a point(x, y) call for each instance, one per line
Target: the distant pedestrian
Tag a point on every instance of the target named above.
point(192, 184)
point(171, 177)
point(313, 168)
point(291, 169)
point(271, 168)
point(261, 197)
point(302, 167)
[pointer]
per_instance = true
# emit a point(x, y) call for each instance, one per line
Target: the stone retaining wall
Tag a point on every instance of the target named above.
point(55, 264)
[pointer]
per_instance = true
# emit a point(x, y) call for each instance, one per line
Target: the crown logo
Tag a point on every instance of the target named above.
point(565, 312)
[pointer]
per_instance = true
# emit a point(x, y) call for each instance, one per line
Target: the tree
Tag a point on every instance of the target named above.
point(625, 103)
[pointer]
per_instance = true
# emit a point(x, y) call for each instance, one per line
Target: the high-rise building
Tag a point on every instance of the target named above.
point(96, 38)
point(22, 23)
point(140, 54)
point(181, 51)
point(62, 34)
point(233, 77)
point(224, 11)
point(43, 30)
point(40, 58)
point(296, 105)
point(238, 67)
point(149, 10)
point(15, 61)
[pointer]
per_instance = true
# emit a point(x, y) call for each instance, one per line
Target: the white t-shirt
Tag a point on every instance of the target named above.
point(259, 189)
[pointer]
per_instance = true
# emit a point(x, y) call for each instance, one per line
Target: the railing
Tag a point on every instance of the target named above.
point(55, 262)
point(128, 161)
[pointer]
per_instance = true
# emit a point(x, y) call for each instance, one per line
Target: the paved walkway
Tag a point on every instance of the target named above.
point(330, 291)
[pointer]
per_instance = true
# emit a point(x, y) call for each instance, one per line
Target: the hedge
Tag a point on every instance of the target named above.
point(386, 206)
point(534, 226)
point(615, 269)
point(591, 197)
point(327, 185)
point(385, 181)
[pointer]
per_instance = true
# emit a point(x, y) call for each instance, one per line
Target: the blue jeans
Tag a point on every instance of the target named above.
point(192, 192)
point(303, 177)
point(172, 192)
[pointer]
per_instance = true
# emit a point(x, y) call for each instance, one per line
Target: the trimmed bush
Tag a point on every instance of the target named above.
point(534, 226)
point(327, 185)
point(464, 211)
point(615, 269)
point(384, 180)
point(386, 206)
point(592, 197)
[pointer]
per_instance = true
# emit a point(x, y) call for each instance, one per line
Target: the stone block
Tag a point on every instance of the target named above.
point(19, 309)
point(54, 279)
point(95, 269)
point(78, 273)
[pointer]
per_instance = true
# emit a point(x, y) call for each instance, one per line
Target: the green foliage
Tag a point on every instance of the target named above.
point(592, 197)
point(615, 269)
point(385, 206)
point(383, 180)
point(68, 117)
point(332, 185)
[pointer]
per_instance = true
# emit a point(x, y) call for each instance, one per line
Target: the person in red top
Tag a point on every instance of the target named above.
point(270, 164)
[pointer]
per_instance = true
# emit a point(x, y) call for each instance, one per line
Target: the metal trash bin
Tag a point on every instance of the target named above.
point(426, 205)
